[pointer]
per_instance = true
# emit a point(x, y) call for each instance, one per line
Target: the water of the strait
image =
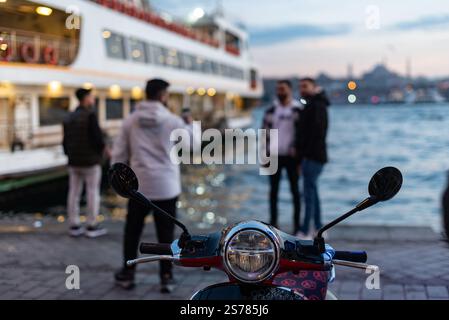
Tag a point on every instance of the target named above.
point(361, 140)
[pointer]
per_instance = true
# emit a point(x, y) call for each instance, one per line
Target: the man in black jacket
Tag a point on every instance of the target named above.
point(312, 134)
point(84, 146)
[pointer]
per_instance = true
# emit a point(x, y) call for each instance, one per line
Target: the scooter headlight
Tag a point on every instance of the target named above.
point(251, 255)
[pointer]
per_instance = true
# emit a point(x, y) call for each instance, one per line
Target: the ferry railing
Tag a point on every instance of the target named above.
point(156, 19)
point(14, 137)
point(39, 48)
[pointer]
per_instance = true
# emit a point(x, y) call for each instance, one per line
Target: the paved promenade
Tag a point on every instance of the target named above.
point(414, 264)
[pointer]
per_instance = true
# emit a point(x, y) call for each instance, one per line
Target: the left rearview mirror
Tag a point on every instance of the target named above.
point(123, 180)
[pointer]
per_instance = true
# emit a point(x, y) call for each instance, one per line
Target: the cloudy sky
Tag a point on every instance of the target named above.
point(305, 37)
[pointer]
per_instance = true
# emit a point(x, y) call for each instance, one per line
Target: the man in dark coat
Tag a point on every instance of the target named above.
point(313, 151)
point(446, 212)
point(84, 146)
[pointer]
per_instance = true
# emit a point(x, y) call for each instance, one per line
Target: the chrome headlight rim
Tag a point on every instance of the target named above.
point(252, 226)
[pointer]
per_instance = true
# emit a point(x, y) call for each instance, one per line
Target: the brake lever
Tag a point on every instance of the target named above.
point(131, 263)
point(356, 265)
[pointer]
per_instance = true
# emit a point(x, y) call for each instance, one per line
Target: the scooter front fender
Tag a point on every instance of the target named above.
point(233, 291)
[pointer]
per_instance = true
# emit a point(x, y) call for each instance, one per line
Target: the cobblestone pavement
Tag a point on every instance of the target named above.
point(414, 264)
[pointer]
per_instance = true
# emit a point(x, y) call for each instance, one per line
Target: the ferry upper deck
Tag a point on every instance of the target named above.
point(49, 48)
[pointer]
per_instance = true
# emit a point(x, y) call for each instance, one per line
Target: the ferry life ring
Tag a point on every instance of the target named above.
point(6, 54)
point(28, 53)
point(51, 55)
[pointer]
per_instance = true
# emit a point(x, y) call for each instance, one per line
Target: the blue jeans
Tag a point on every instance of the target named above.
point(311, 171)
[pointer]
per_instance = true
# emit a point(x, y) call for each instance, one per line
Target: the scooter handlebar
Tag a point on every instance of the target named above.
point(155, 248)
point(352, 256)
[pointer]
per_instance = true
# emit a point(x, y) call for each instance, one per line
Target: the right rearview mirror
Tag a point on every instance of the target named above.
point(385, 184)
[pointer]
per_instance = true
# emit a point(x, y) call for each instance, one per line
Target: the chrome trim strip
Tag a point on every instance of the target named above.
point(130, 263)
point(356, 265)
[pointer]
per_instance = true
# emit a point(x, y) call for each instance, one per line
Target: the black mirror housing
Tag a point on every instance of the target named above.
point(385, 184)
point(123, 180)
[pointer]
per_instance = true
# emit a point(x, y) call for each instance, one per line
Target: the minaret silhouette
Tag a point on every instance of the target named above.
point(350, 71)
point(408, 69)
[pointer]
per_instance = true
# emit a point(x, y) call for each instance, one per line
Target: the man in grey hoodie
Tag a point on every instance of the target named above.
point(144, 143)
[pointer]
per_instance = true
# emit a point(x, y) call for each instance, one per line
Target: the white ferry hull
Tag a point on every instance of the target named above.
point(29, 88)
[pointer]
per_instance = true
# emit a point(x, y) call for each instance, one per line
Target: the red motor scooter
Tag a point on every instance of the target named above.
point(262, 262)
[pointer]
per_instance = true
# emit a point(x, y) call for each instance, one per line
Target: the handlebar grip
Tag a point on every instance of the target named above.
point(353, 256)
point(155, 248)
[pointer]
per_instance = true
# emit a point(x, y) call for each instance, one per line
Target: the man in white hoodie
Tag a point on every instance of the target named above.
point(144, 143)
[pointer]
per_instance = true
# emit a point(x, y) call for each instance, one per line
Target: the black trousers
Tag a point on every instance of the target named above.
point(135, 221)
point(291, 166)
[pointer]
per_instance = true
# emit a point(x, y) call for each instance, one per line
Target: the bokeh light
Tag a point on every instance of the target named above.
point(352, 85)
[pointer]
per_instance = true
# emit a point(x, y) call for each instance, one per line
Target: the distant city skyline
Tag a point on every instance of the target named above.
point(307, 37)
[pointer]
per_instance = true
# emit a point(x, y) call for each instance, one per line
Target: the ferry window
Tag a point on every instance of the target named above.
point(207, 66)
point(181, 59)
point(165, 53)
point(236, 73)
point(253, 78)
point(52, 111)
point(216, 68)
point(137, 50)
point(149, 53)
point(115, 45)
point(199, 64)
point(232, 42)
point(114, 109)
point(224, 70)
point(189, 62)
point(172, 58)
point(133, 104)
point(159, 55)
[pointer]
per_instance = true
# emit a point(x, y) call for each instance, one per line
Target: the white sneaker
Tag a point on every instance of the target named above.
point(76, 231)
point(301, 235)
point(96, 231)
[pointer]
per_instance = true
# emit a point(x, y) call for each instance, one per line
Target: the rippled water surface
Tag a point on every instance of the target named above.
point(362, 139)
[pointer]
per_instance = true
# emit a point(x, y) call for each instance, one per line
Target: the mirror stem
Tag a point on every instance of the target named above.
point(147, 203)
point(319, 240)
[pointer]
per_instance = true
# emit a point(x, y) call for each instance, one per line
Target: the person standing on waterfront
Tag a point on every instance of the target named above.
point(144, 143)
point(284, 116)
point(445, 205)
point(84, 146)
point(313, 151)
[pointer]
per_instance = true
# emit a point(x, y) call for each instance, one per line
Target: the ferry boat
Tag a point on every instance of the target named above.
point(48, 48)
